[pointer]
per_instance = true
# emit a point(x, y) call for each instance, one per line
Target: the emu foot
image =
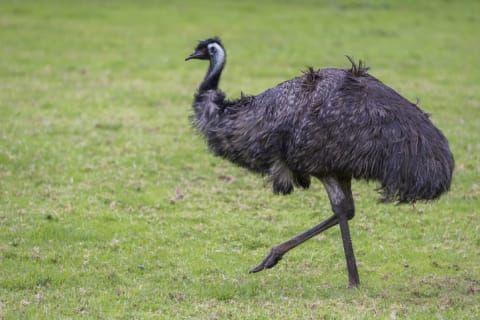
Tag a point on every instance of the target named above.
point(269, 262)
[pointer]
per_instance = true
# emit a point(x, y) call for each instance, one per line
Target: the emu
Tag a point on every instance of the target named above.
point(332, 124)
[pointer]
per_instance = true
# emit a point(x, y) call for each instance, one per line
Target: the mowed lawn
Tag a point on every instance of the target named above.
point(112, 207)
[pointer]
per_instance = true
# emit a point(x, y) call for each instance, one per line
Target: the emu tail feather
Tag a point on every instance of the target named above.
point(421, 173)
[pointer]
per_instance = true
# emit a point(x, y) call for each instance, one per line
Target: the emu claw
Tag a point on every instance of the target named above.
point(269, 262)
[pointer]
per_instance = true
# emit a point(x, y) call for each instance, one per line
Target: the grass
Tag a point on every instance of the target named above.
point(112, 207)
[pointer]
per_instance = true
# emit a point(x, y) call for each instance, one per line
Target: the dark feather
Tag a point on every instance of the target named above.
point(310, 80)
point(330, 122)
point(358, 70)
point(333, 124)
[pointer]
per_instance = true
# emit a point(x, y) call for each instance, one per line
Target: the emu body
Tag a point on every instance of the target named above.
point(332, 124)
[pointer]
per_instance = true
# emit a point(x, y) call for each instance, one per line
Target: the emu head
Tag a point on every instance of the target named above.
point(210, 49)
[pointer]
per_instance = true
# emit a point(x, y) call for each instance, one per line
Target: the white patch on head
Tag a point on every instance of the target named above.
point(217, 56)
point(216, 49)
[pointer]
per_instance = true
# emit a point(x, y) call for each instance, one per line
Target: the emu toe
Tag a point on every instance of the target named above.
point(269, 262)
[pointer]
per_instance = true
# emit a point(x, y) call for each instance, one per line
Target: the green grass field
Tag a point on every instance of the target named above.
point(112, 207)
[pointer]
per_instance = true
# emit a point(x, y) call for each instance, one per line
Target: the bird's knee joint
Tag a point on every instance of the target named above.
point(344, 210)
point(351, 213)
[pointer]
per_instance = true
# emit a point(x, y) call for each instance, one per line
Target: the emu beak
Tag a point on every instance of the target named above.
point(198, 54)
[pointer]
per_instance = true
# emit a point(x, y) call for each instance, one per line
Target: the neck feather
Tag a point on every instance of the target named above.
point(217, 62)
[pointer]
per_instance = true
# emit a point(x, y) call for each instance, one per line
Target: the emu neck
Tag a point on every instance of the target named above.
point(214, 72)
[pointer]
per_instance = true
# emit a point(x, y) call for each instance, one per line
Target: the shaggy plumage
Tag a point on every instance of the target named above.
point(327, 123)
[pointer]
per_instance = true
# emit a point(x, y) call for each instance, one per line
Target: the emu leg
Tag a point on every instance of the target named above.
point(340, 195)
point(277, 252)
point(353, 277)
